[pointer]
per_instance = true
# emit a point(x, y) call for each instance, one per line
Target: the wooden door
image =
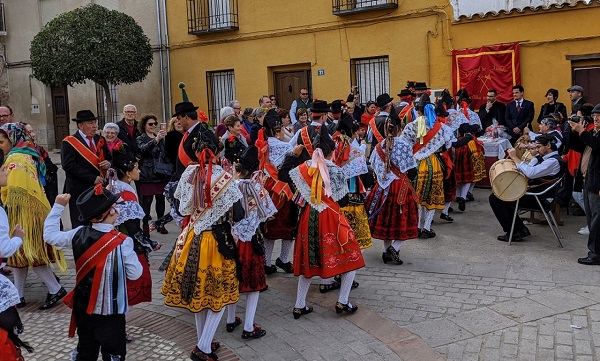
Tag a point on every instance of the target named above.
point(288, 85)
point(60, 114)
point(589, 79)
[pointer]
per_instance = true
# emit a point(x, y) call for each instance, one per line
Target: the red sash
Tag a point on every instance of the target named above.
point(307, 141)
point(280, 188)
point(128, 196)
point(93, 158)
point(184, 158)
point(375, 131)
point(406, 183)
point(407, 111)
point(429, 136)
point(93, 258)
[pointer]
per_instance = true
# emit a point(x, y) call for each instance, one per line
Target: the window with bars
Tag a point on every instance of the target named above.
point(341, 7)
point(221, 90)
point(212, 15)
point(102, 108)
point(371, 75)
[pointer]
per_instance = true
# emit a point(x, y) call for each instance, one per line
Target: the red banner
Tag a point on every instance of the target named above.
point(488, 67)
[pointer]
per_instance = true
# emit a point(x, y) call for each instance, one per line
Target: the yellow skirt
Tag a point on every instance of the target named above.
point(198, 276)
point(357, 217)
point(429, 183)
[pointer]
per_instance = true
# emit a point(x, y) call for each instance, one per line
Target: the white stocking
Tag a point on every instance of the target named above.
point(347, 279)
point(286, 246)
point(428, 219)
point(327, 281)
point(396, 244)
point(446, 208)
point(46, 274)
point(20, 275)
point(251, 304)
point(303, 285)
point(209, 330)
point(471, 187)
point(386, 245)
point(200, 319)
point(269, 244)
point(231, 313)
point(422, 211)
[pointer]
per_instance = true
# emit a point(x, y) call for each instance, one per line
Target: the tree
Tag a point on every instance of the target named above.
point(91, 42)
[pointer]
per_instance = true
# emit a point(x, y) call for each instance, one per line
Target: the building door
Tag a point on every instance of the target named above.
point(288, 85)
point(589, 78)
point(60, 114)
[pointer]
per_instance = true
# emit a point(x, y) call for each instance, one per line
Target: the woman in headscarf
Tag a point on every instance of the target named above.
point(26, 205)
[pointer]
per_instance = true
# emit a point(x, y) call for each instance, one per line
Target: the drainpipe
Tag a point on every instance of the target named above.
point(168, 63)
point(160, 55)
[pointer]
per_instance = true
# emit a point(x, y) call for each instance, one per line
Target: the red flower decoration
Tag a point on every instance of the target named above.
point(202, 116)
point(231, 138)
point(98, 189)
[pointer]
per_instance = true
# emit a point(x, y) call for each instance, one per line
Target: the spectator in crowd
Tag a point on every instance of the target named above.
point(265, 102)
point(371, 111)
point(577, 98)
point(222, 128)
point(303, 101)
point(492, 109)
point(6, 115)
point(110, 133)
point(552, 106)
point(302, 119)
point(273, 101)
point(519, 114)
point(129, 129)
point(258, 116)
point(288, 128)
point(246, 119)
point(237, 108)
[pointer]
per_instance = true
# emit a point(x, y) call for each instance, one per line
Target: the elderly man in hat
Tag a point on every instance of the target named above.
point(104, 260)
point(577, 99)
point(85, 158)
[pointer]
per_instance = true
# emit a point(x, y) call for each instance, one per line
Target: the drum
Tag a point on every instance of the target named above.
point(508, 184)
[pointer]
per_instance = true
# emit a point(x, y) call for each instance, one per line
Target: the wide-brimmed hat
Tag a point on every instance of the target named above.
point(336, 106)
point(184, 107)
point(320, 106)
point(405, 92)
point(94, 201)
point(84, 115)
point(421, 86)
point(383, 100)
point(346, 125)
point(272, 120)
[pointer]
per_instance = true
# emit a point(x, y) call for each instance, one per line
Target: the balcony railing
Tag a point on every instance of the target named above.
point(342, 7)
point(212, 15)
point(2, 20)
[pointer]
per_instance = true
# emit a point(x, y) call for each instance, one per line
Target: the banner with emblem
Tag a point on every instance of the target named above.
point(489, 67)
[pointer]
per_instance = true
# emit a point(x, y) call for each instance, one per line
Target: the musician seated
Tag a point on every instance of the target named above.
point(544, 168)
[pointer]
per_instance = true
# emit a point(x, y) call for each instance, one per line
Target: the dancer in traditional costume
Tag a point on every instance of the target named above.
point(392, 203)
point(445, 102)
point(469, 162)
point(24, 199)
point(428, 138)
point(271, 152)
point(201, 276)
point(258, 207)
point(105, 260)
point(325, 243)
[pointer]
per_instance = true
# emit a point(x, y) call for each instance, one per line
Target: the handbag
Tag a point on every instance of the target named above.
point(162, 168)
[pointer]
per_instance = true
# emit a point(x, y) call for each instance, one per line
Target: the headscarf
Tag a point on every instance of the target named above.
point(21, 143)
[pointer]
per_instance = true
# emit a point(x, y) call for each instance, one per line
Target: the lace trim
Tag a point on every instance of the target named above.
point(339, 187)
point(128, 209)
point(356, 164)
point(8, 294)
point(277, 150)
point(444, 137)
point(401, 156)
point(246, 228)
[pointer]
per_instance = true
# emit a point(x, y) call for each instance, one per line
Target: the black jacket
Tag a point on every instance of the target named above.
point(172, 141)
point(548, 109)
point(124, 136)
point(578, 143)
point(150, 151)
point(497, 111)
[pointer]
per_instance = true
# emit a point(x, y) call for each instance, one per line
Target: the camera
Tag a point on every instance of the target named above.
point(575, 118)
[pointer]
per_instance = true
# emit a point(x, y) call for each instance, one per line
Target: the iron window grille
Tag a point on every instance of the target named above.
point(221, 90)
point(212, 15)
point(341, 7)
point(102, 108)
point(2, 20)
point(371, 75)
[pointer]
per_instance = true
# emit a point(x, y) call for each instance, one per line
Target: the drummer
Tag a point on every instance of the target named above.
point(545, 167)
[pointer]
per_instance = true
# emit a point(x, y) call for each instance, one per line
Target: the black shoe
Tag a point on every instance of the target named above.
point(461, 203)
point(348, 307)
point(269, 270)
point(589, 261)
point(51, 300)
point(330, 287)
point(22, 303)
point(394, 255)
point(297, 312)
point(427, 233)
point(198, 355)
point(256, 333)
point(231, 326)
point(446, 217)
point(287, 267)
point(450, 210)
point(214, 346)
point(470, 197)
point(386, 258)
point(6, 272)
point(517, 235)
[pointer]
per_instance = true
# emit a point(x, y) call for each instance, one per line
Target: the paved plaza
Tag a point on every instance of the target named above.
point(462, 295)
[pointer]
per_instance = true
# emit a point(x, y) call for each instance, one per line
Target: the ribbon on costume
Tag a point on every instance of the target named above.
point(319, 173)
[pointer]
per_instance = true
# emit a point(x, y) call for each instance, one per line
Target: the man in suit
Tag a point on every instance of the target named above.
point(85, 158)
point(492, 109)
point(519, 114)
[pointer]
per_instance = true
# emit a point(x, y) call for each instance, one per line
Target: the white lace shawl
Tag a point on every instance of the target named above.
point(220, 205)
point(339, 186)
point(401, 156)
point(356, 163)
point(444, 137)
point(8, 294)
point(456, 118)
point(128, 209)
point(277, 150)
point(246, 228)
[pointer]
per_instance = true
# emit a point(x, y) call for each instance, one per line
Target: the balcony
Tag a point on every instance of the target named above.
point(344, 7)
point(2, 20)
point(205, 16)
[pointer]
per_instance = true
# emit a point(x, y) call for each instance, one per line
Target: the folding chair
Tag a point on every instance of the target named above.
point(546, 209)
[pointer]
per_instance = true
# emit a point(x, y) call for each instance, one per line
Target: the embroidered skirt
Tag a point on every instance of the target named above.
point(429, 183)
point(283, 226)
point(199, 277)
point(325, 244)
point(357, 218)
point(140, 290)
point(469, 164)
point(252, 266)
point(388, 219)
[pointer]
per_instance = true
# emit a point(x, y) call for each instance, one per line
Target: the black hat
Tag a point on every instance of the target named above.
point(336, 106)
point(346, 124)
point(123, 159)
point(249, 159)
point(184, 107)
point(84, 115)
point(596, 109)
point(94, 202)
point(383, 100)
point(323, 140)
point(319, 106)
point(405, 92)
point(463, 95)
point(233, 148)
point(410, 85)
point(440, 110)
point(272, 120)
point(421, 86)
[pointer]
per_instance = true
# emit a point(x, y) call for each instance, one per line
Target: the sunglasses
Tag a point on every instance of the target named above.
point(303, 93)
point(152, 124)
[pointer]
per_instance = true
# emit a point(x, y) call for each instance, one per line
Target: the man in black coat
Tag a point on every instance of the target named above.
point(519, 114)
point(492, 109)
point(85, 158)
point(128, 129)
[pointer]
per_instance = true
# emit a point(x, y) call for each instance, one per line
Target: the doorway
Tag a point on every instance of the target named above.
point(589, 78)
point(288, 85)
point(60, 114)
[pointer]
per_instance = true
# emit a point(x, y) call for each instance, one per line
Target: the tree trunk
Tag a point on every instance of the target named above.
point(109, 104)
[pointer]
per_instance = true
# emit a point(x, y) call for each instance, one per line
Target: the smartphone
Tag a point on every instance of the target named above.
point(163, 126)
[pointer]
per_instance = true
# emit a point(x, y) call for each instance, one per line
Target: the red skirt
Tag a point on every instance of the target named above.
point(283, 226)
point(469, 166)
point(325, 244)
point(140, 290)
point(388, 219)
point(252, 266)
point(8, 350)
